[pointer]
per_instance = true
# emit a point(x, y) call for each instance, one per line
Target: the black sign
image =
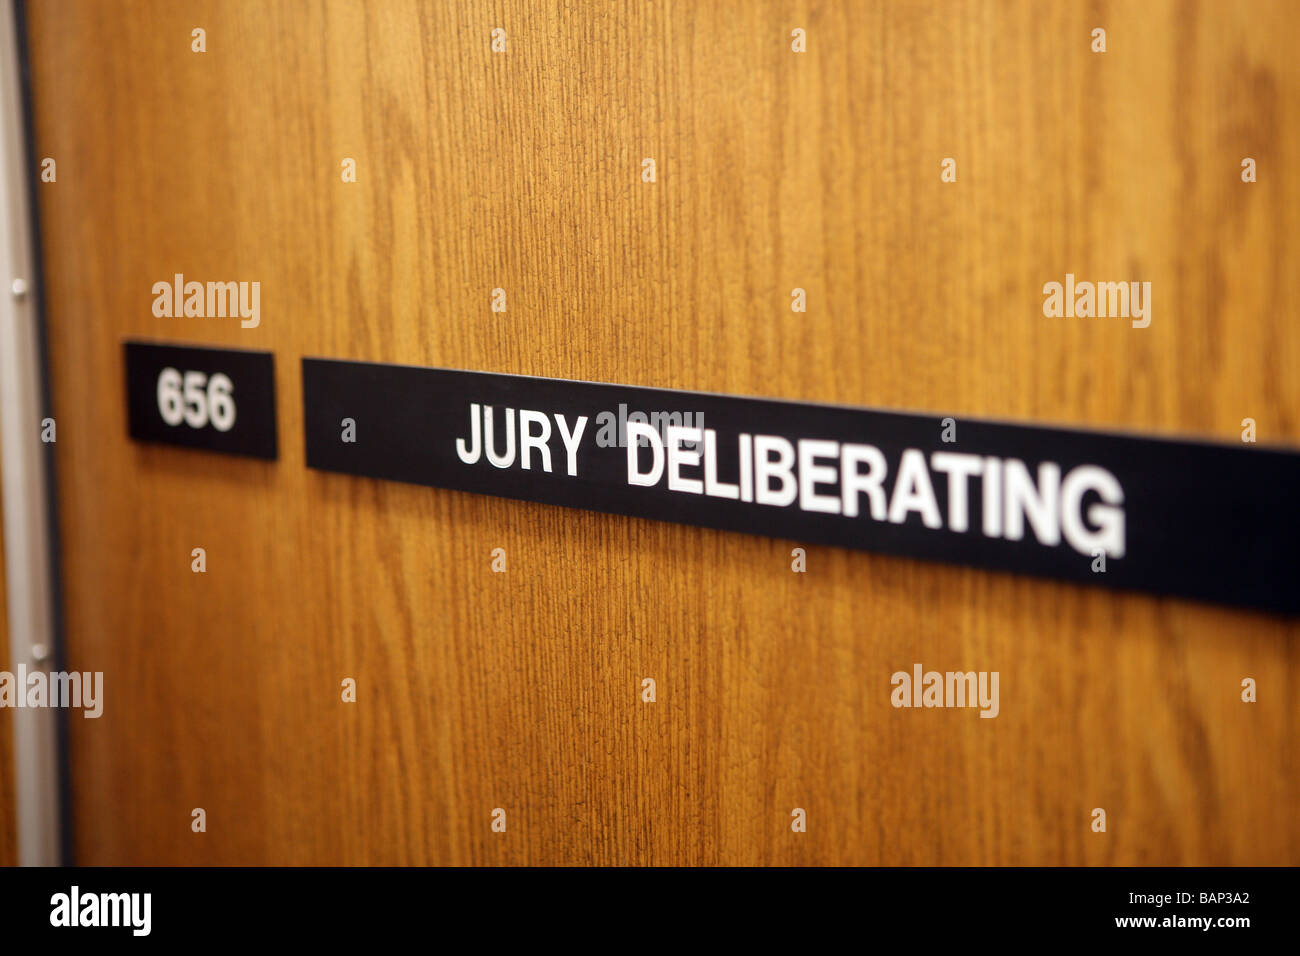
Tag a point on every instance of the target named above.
point(214, 399)
point(1214, 522)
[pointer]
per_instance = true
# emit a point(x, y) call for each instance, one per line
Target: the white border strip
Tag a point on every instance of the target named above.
point(22, 478)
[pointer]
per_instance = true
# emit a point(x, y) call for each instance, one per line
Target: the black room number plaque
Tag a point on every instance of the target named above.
point(1214, 522)
point(214, 399)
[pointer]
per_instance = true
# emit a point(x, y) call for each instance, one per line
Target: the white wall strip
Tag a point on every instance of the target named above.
point(23, 485)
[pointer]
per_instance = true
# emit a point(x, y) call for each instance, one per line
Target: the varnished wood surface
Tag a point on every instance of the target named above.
point(521, 170)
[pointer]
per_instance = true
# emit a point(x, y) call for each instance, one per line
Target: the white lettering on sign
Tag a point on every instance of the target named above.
point(482, 429)
point(195, 399)
point(1082, 507)
point(839, 478)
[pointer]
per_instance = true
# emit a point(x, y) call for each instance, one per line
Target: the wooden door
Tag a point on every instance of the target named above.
point(522, 170)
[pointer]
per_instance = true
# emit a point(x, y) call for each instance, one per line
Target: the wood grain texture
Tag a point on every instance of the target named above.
point(521, 170)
